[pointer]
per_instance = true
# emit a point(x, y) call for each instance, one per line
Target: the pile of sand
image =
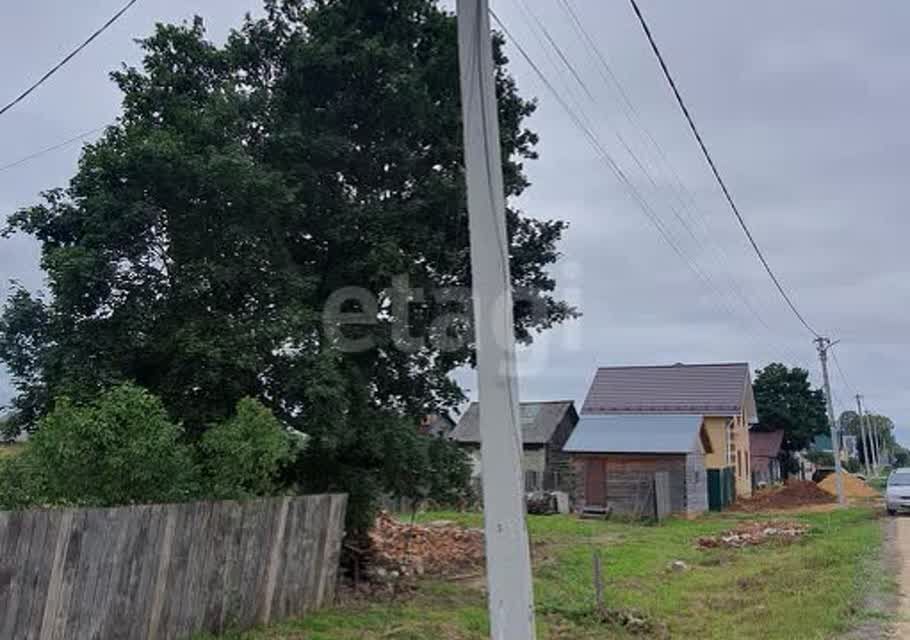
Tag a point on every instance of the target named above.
point(853, 487)
point(793, 495)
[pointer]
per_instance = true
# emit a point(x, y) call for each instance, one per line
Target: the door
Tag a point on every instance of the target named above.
point(595, 483)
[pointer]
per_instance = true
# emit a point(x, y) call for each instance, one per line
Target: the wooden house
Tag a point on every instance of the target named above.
point(545, 427)
point(616, 457)
point(721, 394)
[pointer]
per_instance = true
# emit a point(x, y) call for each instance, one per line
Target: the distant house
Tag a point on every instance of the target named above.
point(612, 453)
point(545, 427)
point(765, 462)
point(721, 394)
point(440, 426)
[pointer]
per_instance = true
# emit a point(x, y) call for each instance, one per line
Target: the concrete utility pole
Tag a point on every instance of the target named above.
point(873, 443)
point(823, 345)
point(863, 433)
point(511, 597)
point(877, 439)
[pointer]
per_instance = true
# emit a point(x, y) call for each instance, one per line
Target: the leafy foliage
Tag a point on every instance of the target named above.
point(122, 448)
point(242, 456)
point(119, 449)
point(883, 427)
point(196, 247)
point(785, 400)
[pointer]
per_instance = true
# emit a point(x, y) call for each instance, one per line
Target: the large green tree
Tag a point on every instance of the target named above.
point(881, 425)
point(785, 400)
point(196, 248)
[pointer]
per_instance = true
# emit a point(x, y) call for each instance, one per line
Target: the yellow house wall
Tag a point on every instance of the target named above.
point(739, 452)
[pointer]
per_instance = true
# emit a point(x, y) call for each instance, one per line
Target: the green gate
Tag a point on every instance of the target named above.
point(721, 488)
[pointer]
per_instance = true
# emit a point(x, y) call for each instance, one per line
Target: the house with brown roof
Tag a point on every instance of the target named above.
point(720, 393)
point(545, 427)
point(765, 449)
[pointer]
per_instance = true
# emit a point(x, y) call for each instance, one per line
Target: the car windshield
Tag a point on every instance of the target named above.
point(899, 480)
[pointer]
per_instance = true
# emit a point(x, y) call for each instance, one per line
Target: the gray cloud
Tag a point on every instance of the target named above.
point(803, 106)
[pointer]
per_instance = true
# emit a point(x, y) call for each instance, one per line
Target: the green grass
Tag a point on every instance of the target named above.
point(9, 450)
point(803, 591)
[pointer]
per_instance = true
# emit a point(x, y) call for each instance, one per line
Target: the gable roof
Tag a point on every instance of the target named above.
point(639, 433)
point(538, 421)
point(765, 444)
point(707, 389)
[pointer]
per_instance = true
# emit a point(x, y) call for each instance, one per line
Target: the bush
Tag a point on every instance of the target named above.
point(241, 457)
point(20, 488)
point(450, 473)
point(120, 449)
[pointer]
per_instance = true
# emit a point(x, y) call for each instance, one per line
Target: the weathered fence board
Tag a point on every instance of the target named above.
point(166, 571)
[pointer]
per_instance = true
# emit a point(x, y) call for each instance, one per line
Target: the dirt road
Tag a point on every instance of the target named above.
point(902, 628)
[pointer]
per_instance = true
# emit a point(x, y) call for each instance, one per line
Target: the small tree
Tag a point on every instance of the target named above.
point(241, 457)
point(120, 449)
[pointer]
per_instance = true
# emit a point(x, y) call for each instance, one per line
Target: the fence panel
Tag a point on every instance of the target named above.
point(166, 571)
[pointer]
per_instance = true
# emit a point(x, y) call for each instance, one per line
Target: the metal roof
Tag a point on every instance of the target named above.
point(636, 433)
point(765, 444)
point(538, 421)
point(707, 389)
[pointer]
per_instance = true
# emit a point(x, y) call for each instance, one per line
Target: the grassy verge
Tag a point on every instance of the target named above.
point(9, 450)
point(812, 589)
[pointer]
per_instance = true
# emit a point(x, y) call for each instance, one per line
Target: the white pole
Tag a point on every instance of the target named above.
point(862, 431)
point(823, 345)
point(873, 437)
point(511, 598)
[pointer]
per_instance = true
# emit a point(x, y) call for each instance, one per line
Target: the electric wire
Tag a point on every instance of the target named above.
point(585, 125)
point(22, 96)
point(56, 147)
point(683, 194)
point(715, 171)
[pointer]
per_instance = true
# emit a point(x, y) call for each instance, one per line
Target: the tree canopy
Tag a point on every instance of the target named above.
point(205, 235)
point(786, 401)
point(882, 426)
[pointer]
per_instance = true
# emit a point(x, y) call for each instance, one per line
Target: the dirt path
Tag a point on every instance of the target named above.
point(902, 628)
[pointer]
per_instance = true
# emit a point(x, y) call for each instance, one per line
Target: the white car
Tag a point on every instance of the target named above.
point(897, 495)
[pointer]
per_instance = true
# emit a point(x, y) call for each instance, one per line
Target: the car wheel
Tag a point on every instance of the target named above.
point(892, 512)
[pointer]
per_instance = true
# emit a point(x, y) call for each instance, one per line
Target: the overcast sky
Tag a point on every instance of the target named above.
point(803, 105)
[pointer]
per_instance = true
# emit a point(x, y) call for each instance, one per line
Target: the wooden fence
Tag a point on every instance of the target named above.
point(166, 571)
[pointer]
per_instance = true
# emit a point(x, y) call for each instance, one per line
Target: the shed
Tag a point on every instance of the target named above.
point(765, 449)
point(612, 453)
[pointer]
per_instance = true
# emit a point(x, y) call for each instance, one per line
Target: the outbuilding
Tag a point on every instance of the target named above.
point(615, 455)
point(765, 448)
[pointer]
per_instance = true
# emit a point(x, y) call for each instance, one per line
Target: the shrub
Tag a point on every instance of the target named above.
point(119, 449)
point(20, 487)
point(241, 457)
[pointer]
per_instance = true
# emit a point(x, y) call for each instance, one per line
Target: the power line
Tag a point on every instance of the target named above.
point(714, 169)
point(69, 57)
point(840, 372)
point(688, 204)
point(51, 149)
point(604, 155)
point(586, 126)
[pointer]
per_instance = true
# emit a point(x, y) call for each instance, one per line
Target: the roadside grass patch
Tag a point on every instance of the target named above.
point(812, 588)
